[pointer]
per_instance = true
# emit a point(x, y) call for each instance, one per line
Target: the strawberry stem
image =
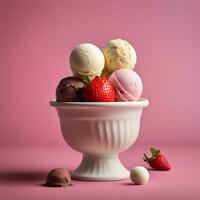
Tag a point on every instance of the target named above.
point(86, 80)
point(155, 152)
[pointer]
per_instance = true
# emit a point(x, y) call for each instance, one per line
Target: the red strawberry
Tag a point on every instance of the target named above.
point(99, 90)
point(157, 160)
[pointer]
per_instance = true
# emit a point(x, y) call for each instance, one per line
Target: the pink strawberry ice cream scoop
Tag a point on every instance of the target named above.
point(127, 84)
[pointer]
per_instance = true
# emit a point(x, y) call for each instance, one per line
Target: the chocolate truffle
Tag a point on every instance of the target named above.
point(58, 177)
point(69, 89)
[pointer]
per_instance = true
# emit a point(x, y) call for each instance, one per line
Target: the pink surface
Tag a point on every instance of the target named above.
point(38, 35)
point(24, 170)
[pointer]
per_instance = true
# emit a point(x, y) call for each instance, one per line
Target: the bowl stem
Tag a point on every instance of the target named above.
point(101, 168)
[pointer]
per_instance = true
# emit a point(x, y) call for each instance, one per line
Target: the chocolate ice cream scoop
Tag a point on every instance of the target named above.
point(69, 89)
point(58, 177)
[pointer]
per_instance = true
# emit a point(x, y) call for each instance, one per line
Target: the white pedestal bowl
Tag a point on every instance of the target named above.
point(100, 131)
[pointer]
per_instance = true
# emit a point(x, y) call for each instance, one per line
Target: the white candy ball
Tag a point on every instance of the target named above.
point(139, 175)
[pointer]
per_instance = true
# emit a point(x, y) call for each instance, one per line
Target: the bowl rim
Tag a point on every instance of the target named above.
point(142, 102)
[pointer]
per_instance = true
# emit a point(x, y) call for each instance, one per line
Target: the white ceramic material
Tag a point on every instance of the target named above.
point(100, 131)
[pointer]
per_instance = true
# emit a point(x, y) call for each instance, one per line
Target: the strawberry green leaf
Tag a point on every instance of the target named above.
point(154, 152)
point(146, 159)
point(86, 80)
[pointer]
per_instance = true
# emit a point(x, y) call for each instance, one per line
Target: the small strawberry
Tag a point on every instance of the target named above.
point(99, 90)
point(157, 160)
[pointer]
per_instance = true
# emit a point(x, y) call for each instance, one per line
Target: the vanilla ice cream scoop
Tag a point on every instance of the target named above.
point(87, 60)
point(119, 54)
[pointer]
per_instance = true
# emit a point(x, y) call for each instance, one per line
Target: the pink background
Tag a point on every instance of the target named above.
point(36, 38)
